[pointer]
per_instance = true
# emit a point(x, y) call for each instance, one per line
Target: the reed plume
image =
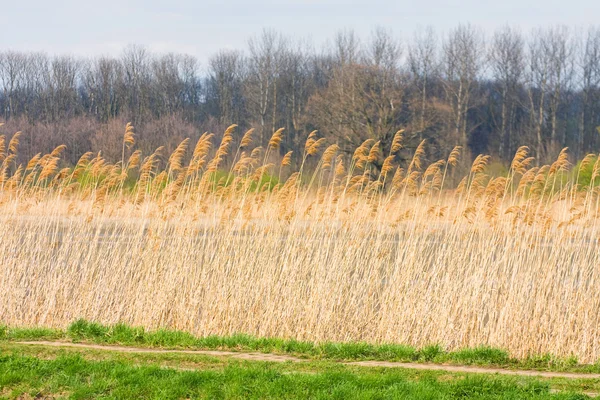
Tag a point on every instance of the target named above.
point(343, 249)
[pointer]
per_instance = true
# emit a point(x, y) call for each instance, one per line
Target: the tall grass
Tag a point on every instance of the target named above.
point(359, 248)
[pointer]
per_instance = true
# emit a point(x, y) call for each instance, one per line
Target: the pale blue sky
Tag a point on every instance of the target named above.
point(201, 27)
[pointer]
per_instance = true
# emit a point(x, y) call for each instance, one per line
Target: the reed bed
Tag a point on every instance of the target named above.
point(224, 237)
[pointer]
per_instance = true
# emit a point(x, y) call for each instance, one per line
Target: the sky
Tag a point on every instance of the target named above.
point(201, 27)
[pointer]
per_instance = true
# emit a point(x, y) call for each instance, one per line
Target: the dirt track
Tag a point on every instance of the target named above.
point(286, 358)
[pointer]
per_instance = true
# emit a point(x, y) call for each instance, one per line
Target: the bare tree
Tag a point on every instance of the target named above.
point(590, 89)
point(463, 61)
point(167, 84)
point(346, 47)
point(12, 65)
point(188, 72)
point(264, 66)
point(362, 100)
point(32, 95)
point(104, 80)
point(136, 60)
point(507, 62)
point(424, 69)
point(559, 47)
point(224, 87)
point(386, 84)
point(538, 70)
point(61, 81)
point(297, 84)
point(542, 89)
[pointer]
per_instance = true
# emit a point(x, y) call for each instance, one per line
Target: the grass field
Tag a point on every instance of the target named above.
point(40, 372)
point(362, 248)
point(120, 334)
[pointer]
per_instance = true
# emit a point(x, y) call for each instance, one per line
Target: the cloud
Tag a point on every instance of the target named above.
point(168, 46)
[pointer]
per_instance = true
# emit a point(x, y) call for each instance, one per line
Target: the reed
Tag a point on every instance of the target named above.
point(338, 249)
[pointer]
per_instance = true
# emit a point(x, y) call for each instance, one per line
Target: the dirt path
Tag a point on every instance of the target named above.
point(216, 353)
point(476, 370)
point(285, 358)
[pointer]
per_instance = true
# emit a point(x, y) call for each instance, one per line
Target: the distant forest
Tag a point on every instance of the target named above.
point(488, 93)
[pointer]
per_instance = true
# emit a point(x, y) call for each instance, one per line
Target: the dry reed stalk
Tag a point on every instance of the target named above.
point(333, 254)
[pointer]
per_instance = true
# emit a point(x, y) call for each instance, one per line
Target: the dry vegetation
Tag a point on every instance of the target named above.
point(341, 250)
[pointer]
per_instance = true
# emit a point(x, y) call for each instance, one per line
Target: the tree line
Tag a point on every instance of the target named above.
point(487, 93)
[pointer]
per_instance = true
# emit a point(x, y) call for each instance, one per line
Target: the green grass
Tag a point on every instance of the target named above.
point(221, 178)
point(84, 331)
point(83, 374)
point(584, 175)
point(30, 334)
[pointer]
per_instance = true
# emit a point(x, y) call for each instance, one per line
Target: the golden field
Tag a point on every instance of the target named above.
point(228, 237)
